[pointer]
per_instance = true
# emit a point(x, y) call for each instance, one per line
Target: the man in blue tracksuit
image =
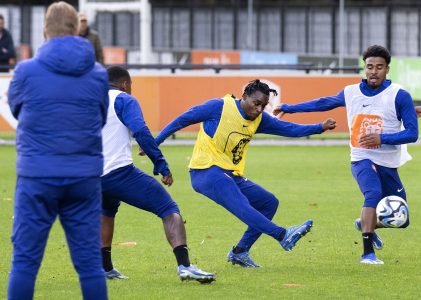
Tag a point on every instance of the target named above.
point(60, 100)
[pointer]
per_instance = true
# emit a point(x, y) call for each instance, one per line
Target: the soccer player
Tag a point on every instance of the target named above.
point(381, 121)
point(218, 160)
point(60, 100)
point(122, 181)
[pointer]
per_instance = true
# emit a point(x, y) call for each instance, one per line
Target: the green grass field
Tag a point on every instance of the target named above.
point(310, 182)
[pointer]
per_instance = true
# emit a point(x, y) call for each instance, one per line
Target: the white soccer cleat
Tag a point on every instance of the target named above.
point(194, 273)
point(115, 274)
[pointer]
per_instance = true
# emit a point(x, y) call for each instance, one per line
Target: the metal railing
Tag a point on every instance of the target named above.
point(307, 68)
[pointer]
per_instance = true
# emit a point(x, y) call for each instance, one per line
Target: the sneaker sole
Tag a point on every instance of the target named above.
point(242, 264)
point(370, 262)
point(203, 280)
point(117, 278)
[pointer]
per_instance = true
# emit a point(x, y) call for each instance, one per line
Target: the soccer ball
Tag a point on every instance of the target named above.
point(392, 211)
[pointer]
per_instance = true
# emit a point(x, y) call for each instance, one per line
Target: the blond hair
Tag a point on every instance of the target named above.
point(61, 19)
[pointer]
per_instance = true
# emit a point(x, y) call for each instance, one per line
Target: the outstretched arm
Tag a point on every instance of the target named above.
point(320, 104)
point(208, 110)
point(270, 125)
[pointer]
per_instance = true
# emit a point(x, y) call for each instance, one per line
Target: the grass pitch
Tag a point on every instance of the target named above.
point(310, 182)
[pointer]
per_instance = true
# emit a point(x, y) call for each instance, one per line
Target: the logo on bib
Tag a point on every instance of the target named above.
point(237, 151)
point(363, 125)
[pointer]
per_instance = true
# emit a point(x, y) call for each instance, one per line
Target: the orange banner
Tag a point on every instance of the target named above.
point(215, 57)
point(163, 98)
point(114, 55)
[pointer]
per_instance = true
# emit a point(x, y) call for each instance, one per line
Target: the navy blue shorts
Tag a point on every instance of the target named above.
point(134, 187)
point(376, 182)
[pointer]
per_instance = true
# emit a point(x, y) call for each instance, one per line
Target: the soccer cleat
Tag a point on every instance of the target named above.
point(243, 259)
point(377, 242)
point(371, 259)
point(194, 273)
point(115, 274)
point(294, 233)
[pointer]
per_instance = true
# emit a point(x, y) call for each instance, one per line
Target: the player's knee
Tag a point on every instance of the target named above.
point(273, 202)
point(372, 198)
point(88, 264)
point(27, 266)
point(169, 209)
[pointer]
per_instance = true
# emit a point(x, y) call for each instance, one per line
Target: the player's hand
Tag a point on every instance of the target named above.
point(167, 180)
point(141, 152)
point(278, 112)
point(329, 124)
point(418, 110)
point(370, 141)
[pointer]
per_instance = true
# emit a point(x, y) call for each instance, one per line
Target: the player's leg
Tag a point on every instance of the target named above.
point(220, 186)
point(35, 210)
point(365, 173)
point(392, 185)
point(174, 229)
point(107, 233)
point(267, 204)
point(80, 216)
point(140, 190)
point(110, 207)
point(263, 201)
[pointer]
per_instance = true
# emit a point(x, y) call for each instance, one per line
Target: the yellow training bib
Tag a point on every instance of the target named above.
point(228, 147)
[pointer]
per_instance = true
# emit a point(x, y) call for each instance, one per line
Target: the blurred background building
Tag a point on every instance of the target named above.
point(310, 30)
point(298, 47)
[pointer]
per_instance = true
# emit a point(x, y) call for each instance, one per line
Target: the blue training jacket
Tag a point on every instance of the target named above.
point(60, 98)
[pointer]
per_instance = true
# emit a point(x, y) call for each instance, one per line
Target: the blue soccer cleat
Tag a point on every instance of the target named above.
point(243, 259)
point(377, 242)
point(115, 274)
point(294, 233)
point(371, 259)
point(194, 273)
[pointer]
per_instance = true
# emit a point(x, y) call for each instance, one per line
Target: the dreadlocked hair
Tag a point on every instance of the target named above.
point(257, 85)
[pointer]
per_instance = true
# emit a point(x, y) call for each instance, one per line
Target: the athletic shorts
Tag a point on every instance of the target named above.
point(134, 187)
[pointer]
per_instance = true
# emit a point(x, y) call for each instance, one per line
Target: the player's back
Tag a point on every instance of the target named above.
point(63, 95)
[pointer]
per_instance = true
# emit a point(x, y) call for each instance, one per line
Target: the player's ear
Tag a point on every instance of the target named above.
point(125, 84)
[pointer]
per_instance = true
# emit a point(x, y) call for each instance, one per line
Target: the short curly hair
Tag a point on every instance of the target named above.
point(377, 51)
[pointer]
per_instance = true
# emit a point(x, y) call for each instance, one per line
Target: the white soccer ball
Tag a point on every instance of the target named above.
point(392, 211)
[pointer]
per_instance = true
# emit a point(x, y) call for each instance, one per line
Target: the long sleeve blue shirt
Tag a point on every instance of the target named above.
point(405, 111)
point(130, 114)
point(60, 98)
point(210, 114)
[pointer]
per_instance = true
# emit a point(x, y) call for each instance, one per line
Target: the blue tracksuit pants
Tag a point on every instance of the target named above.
point(77, 202)
point(248, 201)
